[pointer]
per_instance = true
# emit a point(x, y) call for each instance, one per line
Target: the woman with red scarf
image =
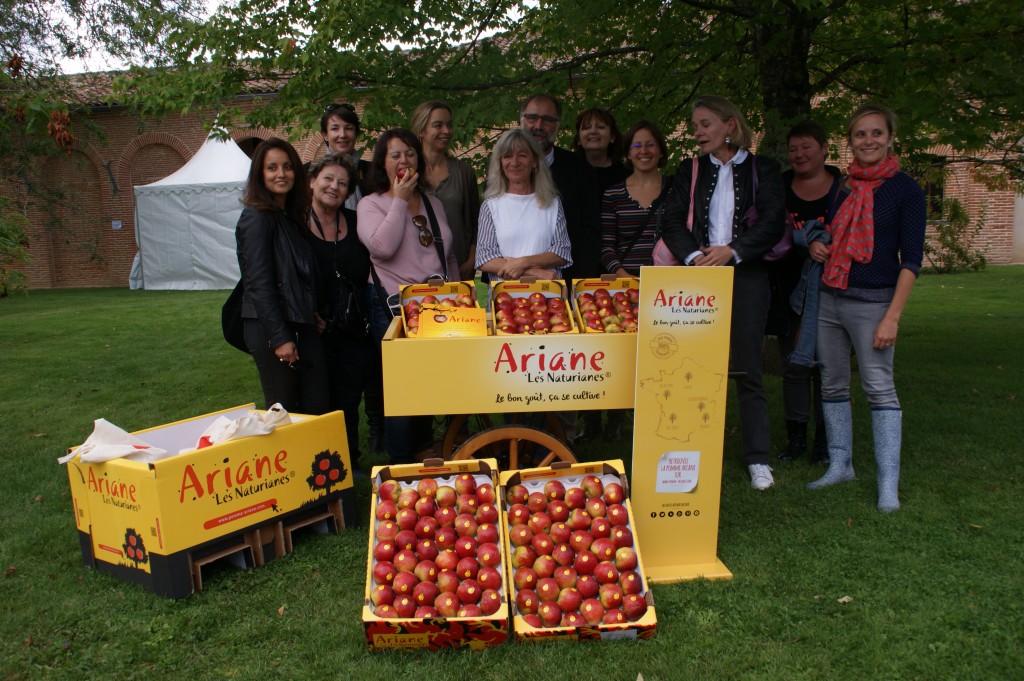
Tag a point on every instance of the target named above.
point(869, 270)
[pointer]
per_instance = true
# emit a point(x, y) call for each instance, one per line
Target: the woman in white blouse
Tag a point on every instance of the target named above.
point(522, 225)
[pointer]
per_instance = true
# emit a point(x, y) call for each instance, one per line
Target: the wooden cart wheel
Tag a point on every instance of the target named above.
point(478, 423)
point(514, 436)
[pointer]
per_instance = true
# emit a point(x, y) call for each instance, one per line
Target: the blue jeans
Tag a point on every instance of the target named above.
point(844, 323)
point(404, 435)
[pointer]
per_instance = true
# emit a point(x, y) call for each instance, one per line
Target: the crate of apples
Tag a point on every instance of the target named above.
point(533, 313)
point(436, 555)
point(573, 561)
point(412, 308)
point(609, 311)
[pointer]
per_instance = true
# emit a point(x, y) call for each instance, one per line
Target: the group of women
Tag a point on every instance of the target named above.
point(310, 265)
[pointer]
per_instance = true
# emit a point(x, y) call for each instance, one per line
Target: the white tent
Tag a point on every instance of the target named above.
point(185, 223)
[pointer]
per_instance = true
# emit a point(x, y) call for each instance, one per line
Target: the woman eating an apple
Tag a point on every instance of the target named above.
point(407, 235)
point(869, 270)
point(449, 179)
point(279, 303)
point(737, 204)
point(343, 266)
point(522, 225)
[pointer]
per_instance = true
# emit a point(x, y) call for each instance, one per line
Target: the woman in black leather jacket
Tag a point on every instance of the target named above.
point(279, 277)
point(725, 234)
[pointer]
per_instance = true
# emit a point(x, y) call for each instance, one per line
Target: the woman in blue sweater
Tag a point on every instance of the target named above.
point(869, 270)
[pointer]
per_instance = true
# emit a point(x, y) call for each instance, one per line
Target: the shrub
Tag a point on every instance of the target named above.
point(13, 250)
point(952, 248)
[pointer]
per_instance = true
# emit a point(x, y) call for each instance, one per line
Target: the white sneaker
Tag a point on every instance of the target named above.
point(760, 476)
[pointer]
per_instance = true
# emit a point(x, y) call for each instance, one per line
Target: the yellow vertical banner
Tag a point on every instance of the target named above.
point(682, 371)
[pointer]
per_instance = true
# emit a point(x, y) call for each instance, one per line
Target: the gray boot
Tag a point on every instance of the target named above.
point(839, 428)
point(887, 425)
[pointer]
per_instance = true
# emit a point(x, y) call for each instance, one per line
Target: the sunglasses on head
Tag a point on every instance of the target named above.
point(426, 238)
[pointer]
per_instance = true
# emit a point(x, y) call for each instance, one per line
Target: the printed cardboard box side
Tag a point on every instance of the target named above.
point(384, 626)
point(588, 590)
point(144, 522)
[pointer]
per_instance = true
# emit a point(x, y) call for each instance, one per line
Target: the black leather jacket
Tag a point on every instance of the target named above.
point(278, 273)
point(750, 242)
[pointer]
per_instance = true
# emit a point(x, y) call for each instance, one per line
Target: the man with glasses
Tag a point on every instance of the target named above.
point(540, 116)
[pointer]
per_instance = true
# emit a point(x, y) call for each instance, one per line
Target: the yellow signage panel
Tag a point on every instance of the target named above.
point(499, 374)
point(681, 385)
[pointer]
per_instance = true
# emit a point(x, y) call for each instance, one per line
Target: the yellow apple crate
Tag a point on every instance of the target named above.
point(574, 589)
point(435, 291)
point(524, 288)
point(396, 613)
point(609, 282)
point(157, 524)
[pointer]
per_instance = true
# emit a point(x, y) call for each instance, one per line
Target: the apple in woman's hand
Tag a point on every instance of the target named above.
point(401, 173)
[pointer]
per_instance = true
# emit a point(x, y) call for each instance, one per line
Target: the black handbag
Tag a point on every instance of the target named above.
point(231, 319)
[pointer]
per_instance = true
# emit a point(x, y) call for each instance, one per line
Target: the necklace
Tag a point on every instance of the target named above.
point(337, 234)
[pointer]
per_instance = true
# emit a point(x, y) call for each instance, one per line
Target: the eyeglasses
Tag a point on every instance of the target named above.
point(426, 238)
point(334, 107)
point(533, 118)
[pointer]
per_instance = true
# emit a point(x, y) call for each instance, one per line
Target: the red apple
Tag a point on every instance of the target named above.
point(425, 506)
point(524, 578)
point(487, 513)
point(466, 525)
point(426, 528)
point(575, 498)
point(446, 496)
point(572, 620)
point(445, 516)
point(387, 530)
point(466, 547)
point(467, 568)
point(425, 593)
point(606, 573)
point(592, 611)
point(596, 507)
point(389, 489)
point(426, 570)
point(485, 493)
point(469, 591)
point(560, 328)
point(382, 594)
point(580, 540)
point(384, 550)
point(547, 589)
point(405, 560)
point(634, 606)
point(538, 297)
point(565, 577)
point(592, 486)
point(588, 585)
point(585, 562)
point(469, 610)
point(617, 514)
point(563, 554)
point(503, 297)
point(554, 489)
point(601, 527)
point(518, 513)
point(429, 300)
point(625, 558)
point(630, 582)
point(407, 498)
point(610, 595)
point(560, 533)
point(446, 604)
point(465, 483)
point(446, 560)
point(622, 536)
point(542, 544)
point(536, 502)
point(424, 612)
point(539, 522)
point(544, 566)
point(406, 518)
point(487, 533)
point(569, 599)
point(614, 616)
point(489, 578)
point(384, 572)
point(406, 539)
point(550, 614)
point(445, 538)
point(467, 504)
point(385, 611)
point(488, 555)
point(490, 601)
point(427, 487)
point(520, 535)
point(405, 606)
point(579, 519)
point(386, 510)
point(523, 556)
point(447, 581)
point(541, 325)
point(527, 601)
point(604, 549)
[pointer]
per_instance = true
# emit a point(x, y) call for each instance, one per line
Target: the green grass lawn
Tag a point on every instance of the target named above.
point(936, 590)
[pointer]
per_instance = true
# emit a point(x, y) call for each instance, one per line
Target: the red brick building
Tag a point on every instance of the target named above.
point(90, 241)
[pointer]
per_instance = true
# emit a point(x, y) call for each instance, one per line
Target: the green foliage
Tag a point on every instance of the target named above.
point(13, 249)
point(953, 247)
point(948, 68)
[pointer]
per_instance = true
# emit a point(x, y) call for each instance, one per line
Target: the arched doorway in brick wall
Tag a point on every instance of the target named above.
point(77, 226)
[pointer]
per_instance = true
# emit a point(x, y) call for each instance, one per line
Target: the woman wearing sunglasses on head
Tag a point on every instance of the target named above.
point(522, 225)
point(409, 241)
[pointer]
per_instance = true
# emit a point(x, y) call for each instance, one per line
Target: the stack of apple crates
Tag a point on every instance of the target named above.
point(462, 556)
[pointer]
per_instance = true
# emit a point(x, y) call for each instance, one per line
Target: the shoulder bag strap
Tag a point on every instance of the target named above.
point(693, 188)
point(436, 229)
point(655, 206)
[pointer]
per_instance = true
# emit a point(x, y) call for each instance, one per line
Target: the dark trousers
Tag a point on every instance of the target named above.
point(750, 301)
point(404, 435)
point(348, 368)
point(801, 385)
point(301, 388)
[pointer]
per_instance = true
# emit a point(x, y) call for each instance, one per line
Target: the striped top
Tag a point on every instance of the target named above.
point(622, 220)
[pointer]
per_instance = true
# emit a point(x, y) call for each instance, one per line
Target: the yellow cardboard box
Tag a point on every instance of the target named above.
point(550, 288)
point(432, 633)
point(147, 522)
point(609, 282)
point(445, 294)
point(571, 475)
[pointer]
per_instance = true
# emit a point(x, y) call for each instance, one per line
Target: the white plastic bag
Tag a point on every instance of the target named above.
point(110, 442)
point(224, 429)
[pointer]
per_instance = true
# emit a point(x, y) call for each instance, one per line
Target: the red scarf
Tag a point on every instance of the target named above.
point(853, 228)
